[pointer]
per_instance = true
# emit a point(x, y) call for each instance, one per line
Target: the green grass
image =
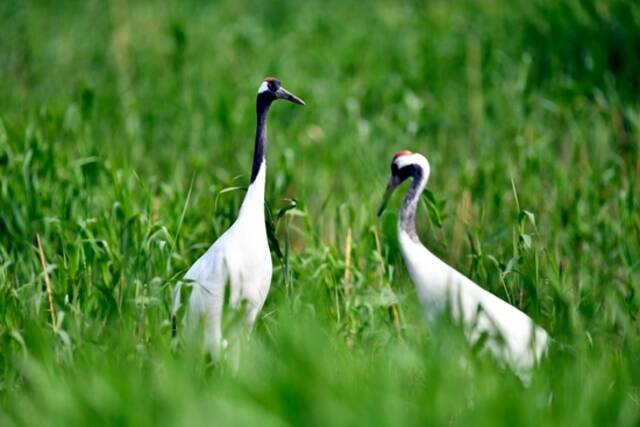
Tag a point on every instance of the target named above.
point(112, 113)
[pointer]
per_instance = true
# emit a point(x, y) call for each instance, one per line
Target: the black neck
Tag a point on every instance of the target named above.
point(260, 150)
point(410, 204)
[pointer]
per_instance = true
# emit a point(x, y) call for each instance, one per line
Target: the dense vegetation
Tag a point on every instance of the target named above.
point(122, 123)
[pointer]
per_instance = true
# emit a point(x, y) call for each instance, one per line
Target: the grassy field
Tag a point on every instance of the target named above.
point(121, 123)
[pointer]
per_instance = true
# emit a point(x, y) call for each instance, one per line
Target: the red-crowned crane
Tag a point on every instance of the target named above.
point(239, 262)
point(512, 336)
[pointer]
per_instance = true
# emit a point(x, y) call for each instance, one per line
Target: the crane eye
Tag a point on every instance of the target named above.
point(272, 86)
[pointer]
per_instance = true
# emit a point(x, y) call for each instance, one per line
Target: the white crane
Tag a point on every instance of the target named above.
point(511, 335)
point(240, 258)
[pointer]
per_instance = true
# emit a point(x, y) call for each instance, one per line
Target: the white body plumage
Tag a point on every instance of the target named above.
point(239, 258)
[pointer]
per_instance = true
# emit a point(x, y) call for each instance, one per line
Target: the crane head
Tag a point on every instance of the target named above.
point(405, 164)
point(271, 89)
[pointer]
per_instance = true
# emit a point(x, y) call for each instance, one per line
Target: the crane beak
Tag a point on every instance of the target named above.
point(282, 93)
point(394, 181)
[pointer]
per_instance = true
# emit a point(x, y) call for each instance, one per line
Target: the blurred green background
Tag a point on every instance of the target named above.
point(122, 122)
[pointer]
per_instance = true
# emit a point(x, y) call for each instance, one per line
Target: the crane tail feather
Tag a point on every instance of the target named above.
point(174, 326)
point(174, 309)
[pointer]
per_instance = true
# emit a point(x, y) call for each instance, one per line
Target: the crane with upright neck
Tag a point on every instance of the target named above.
point(239, 262)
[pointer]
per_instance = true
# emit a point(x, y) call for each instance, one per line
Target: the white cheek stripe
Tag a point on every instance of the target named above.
point(415, 159)
point(263, 87)
point(407, 159)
